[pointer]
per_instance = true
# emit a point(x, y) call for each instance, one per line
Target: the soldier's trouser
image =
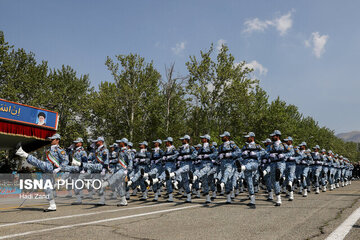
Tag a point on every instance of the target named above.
point(47, 168)
point(118, 180)
point(183, 172)
point(316, 172)
point(332, 175)
point(267, 178)
point(137, 180)
point(155, 172)
point(290, 172)
point(337, 174)
point(236, 177)
point(169, 166)
point(93, 167)
point(195, 167)
point(304, 175)
point(204, 173)
point(277, 171)
point(212, 176)
point(251, 167)
point(86, 175)
point(324, 179)
point(227, 173)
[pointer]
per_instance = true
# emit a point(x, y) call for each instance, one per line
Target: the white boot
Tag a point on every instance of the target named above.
point(176, 185)
point(123, 202)
point(21, 153)
point(172, 174)
point(78, 200)
point(252, 201)
point(146, 175)
point(270, 196)
point(129, 183)
point(155, 180)
point(213, 195)
point(198, 194)
point(156, 197)
point(278, 200)
point(208, 200)
point(264, 173)
point(144, 196)
point(222, 186)
point(305, 192)
point(342, 184)
point(52, 206)
point(170, 199)
point(324, 188)
point(300, 190)
point(194, 178)
point(188, 198)
point(317, 190)
point(291, 195)
point(228, 198)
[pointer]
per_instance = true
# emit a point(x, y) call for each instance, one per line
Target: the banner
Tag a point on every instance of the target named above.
point(20, 113)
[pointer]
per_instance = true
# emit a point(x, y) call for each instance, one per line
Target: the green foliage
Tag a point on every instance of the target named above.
point(218, 94)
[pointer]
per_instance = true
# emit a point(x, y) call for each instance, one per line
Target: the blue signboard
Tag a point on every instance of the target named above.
point(16, 112)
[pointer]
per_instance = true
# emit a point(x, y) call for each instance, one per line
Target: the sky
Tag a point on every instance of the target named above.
point(307, 52)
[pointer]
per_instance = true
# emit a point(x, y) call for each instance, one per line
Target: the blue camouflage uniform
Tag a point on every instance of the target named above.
point(227, 153)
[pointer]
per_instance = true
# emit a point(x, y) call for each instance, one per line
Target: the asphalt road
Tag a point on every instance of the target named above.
point(314, 217)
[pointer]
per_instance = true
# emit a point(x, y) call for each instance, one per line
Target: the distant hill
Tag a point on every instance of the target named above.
point(353, 136)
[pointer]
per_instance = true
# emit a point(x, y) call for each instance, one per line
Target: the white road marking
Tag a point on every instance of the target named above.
point(96, 222)
point(345, 227)
point(80, 215)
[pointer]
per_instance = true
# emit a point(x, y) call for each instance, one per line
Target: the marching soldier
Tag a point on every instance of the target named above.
point(56, 159)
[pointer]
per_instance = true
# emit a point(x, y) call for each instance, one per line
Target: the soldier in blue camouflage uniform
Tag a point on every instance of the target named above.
point(206, 154)
point(78, 156)
point(325, 170)
point(118, 178)
point(228, 152)
point(156, 169)
point(306, 162)
point(265, 171)
point(290, 167)
point(141, 164)
point(56, 159)
point(317, 167)
point(276, 154)
point(169, 160)
point(196, 184)
point(187, 154)
point(331, 174)
point(250, 157)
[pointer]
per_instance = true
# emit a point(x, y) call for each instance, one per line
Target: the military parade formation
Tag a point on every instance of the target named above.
point(204, 170)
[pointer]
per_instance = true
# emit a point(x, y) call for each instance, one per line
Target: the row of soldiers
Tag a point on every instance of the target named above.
point(227, 169)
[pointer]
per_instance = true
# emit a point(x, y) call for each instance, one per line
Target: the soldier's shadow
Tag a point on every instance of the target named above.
point(31, 209)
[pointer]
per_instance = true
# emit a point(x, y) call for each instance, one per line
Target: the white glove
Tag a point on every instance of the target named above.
point(180, 158)
point(200, 156)
point(206, 156)
point(186, 156)
point(245, 153)
point(264, 160)
point(229, 154)
point(281, 155)
point(56, 170)
point(221, 156)
point(164, 158)
point(103, 172)
point(82, 171)
point(253, 154)
point(273, 155)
